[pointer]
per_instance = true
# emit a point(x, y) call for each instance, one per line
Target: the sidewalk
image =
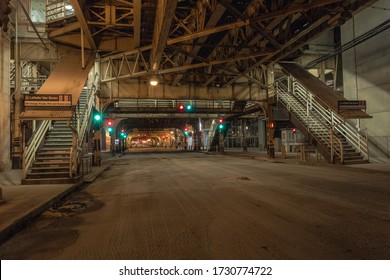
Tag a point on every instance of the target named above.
point(295, 158)
point(21, 203)
point(25, 202)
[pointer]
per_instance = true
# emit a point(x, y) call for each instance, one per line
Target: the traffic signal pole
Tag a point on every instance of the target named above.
point(97, 154)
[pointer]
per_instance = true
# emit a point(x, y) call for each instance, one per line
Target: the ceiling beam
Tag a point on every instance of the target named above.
point(295, 8)
point(243, 18)
point(295, 38)
point(63, 30)
point(137, 23)
point(249, 10)
point(83, 22)
point(213, 21)
point(209, 63)
point(164, 15)
point(215, 62)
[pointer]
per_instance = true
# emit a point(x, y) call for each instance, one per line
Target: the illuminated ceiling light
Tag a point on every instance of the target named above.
point(153, 82)
point(68, 7)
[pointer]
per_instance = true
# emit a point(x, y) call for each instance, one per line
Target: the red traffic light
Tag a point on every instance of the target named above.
point(185, 128)
point(220, 120)
point(271, 125)
point(181, 107)
point(109, 123)
point(294, 130)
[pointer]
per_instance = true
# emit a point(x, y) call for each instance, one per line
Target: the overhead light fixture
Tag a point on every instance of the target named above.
point(153, 82)
point(68, 7)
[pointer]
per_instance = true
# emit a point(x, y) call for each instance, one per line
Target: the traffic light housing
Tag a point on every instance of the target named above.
point(96, 119)
point(220, 123)
point(110, 126)
point(186, 130)
point(123, 134)
point(189, 108)
point(181, 107)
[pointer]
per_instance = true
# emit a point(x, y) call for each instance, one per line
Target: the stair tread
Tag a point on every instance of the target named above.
point(48, 168)
point(51, 172)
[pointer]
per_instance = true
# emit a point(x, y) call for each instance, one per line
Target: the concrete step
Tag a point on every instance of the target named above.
point(60, 139)
point(355, 161)
point(51, 152)
point(60, 133)
point(49, 169)
point(352, 157)
point(47, 181)
point(58, 150)
point(61, 165)
point(57, 146)
point(352, 153)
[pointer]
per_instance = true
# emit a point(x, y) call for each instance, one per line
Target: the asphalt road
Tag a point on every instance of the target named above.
point(198, 206)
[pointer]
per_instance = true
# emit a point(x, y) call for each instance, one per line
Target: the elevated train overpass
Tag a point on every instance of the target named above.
point(226, 59)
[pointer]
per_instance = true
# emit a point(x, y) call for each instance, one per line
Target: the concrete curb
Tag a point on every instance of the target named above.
point(19, 224)
point(93, 177)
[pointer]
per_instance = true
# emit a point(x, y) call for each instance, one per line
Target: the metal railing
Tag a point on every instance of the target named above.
point(31, 148)
point(160, 103)
point(350, 133)
point(79, 122)
point(312, 123)
point(31, 79)
point(58, 10)
point(211, 133)
point(322, 122)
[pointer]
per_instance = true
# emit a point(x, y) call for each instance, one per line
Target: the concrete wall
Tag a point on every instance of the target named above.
point(5, 159)
point(366, 70)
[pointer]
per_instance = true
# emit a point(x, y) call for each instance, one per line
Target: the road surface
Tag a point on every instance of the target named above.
point(199, 206)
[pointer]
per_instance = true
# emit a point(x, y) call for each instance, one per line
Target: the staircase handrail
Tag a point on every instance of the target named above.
point(79, 127)
point(91, 91)
point(333, 143)
point(340, 151)
point(333, 118)
point(31, 148)
point(58, 10)
point(211, 133)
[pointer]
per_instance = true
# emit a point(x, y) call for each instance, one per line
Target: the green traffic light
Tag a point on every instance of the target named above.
point(221, 126)
point(97, 117)
point(110, 129)
point(189, 108)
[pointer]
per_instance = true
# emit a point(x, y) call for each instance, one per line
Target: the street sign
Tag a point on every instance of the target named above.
point(347, 105)
point(48, 100)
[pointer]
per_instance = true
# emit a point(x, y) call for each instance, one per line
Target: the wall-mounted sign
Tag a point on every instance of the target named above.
point(48, 100)
point(347, 105)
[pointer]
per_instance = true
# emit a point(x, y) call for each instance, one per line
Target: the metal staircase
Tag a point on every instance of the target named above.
point(32, 78)
point(336, 139)
point(53, 154)
point(210, 135)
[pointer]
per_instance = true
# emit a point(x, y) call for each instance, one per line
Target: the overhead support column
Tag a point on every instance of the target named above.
point(165, 11)
point(5, 109)
point(17, 133)
point(270, 114)
point(137, 22)
point(83, 22)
